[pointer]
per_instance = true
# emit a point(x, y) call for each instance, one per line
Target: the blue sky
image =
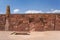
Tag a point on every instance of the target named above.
point(22, 6)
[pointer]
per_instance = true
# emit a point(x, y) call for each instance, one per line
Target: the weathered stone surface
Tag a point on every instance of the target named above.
point(2, 22)
point(57, 22)
point(31, 22)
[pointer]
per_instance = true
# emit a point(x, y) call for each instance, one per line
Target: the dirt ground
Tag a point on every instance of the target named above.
point(46, 35)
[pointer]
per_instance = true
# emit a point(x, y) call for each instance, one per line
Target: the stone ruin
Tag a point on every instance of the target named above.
point(29, 22)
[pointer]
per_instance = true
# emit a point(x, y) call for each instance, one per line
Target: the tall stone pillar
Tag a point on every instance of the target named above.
point(7, 18)
point(7, 11)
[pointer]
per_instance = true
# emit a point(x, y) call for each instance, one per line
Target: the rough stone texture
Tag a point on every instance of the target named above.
point(57, 22)
point(2, 22)
point(31, 22)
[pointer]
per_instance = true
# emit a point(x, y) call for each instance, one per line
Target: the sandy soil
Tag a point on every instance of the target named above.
point(46, 35)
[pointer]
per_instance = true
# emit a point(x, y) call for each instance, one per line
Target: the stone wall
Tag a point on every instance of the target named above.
point(2, 22)
point(57, 22)
point(31, 22)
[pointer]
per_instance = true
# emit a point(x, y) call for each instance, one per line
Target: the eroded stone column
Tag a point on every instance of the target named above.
point(7, 25)
point(7, 18)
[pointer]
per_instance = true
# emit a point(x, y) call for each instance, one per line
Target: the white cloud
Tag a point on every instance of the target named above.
point(53, 11)
point(34, 11)
point(48, 12)
point(56, 11)
point(16, 10)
